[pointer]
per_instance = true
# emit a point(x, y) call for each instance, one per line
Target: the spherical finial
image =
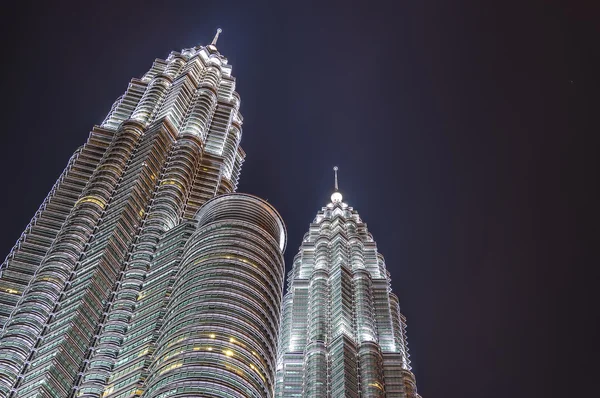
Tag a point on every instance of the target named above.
point(336, 197)
point(335, 168)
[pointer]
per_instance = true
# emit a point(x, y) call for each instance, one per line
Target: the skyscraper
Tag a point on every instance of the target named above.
point(342, 333)
point(119, 286)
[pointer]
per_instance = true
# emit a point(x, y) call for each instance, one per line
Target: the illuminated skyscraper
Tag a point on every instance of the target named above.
point(342, 333)
point(120, 286)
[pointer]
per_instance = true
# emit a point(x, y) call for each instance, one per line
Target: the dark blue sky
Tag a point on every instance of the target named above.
point(463, 131)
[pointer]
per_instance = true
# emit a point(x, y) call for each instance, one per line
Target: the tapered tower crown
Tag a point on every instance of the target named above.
point(342, 333)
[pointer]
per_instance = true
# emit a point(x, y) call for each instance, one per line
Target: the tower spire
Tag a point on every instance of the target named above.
point(336, 197)
point(214, 42)
point(335, 170)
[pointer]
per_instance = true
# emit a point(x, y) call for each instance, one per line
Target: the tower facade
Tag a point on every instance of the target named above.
point(205, 322)
point(101, 293)
point(342, 333)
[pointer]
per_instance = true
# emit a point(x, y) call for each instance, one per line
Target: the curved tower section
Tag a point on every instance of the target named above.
point(71, 285)
point(342, 333)
point(219, 333)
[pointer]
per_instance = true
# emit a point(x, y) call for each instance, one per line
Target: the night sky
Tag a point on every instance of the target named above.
point(464, 134)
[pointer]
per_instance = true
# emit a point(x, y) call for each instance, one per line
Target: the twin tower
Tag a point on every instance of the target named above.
point(143, 274)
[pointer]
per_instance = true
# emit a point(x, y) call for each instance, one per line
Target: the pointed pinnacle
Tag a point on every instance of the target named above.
point(214, 42)
point(335, 170)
